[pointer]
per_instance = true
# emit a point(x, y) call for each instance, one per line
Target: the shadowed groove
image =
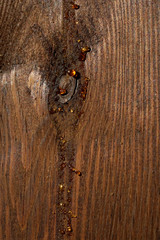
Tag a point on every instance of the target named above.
point(130, 109)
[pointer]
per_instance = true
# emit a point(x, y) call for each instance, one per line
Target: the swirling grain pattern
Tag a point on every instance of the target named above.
point(116, 140)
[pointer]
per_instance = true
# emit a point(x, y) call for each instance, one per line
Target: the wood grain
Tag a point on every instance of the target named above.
point(112, 137)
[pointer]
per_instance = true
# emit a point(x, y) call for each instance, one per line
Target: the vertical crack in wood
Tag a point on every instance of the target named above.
point(66, 124)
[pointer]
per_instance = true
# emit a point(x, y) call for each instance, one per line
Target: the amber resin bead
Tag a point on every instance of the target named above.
point(62, 91)
point(72, 73)
point(75, 6)
point(69, 229)
point(85, 49)
point(67, 86)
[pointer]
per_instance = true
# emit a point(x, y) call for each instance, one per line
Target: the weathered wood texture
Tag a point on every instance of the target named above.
point(115, 141)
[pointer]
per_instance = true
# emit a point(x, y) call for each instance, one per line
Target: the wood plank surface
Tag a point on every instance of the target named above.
point(88, 169)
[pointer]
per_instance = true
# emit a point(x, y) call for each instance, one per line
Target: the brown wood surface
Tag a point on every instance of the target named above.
point(112, 137)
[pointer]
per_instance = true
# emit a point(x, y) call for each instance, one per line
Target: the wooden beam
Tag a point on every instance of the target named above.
point(79, 152)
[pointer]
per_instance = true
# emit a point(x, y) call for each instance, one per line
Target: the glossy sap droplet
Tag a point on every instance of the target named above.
point(61, 204)
point(75, 6)
point(69, 229)
point(84, 89)
point(60, 109)
point(72, 215)
point(61, 187)
point(68, 84)
point(85, 49)
point(62, 141)
point(76, 171)
point(62, 91)
point(83, 93)
point(72, 73)
point(79, 173)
